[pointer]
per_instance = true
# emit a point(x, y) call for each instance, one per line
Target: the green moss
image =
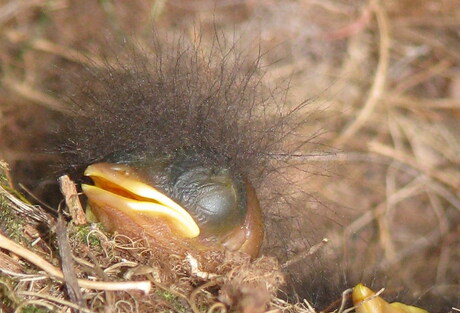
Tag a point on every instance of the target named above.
point(10, 223)
point(34, 309)
point(83, 234)
point(172, 300)
point(3, 179)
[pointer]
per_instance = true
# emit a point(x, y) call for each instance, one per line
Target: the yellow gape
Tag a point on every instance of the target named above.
point(366, 301)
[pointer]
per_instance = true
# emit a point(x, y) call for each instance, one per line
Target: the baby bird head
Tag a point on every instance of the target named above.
point(176, 141)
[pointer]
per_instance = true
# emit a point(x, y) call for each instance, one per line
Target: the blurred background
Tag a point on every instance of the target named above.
point(383, 79)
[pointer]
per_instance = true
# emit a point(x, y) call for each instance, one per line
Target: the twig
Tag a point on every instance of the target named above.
point(38, 200)
point(197, 291)
point(353, 28)
point(65, 251)
point(28, 92)
point(420, 77)
point(22, 276)
point(428, 240)
point(20, 307)
point(12, 8)
point(423, 103)
point(344, 299)
point(432, 40)
point(378, 85)
point(54, 299)
point(409, 190)
point(72, 201)
point(34, 212)
point(220, 306)
point(50, 47)
point(389, 152)
point(302, 255)
point(55, 273)
point(309, 306)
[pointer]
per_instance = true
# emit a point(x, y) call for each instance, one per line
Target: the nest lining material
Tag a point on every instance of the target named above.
point(115, 271)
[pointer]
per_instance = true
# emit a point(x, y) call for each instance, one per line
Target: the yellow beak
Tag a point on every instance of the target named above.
point(119, 193)
point(366, 301)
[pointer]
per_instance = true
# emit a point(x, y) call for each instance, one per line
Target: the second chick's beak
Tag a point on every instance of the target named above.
point(181, 198)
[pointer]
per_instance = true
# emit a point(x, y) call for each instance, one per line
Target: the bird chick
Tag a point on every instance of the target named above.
point(176, 141)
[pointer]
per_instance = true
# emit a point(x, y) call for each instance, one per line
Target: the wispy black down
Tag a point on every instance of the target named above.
point(177, 96)
point(171, 97)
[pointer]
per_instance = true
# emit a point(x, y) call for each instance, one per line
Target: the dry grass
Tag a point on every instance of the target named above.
point(385, 80)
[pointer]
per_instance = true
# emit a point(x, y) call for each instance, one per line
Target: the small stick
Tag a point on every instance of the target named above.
point(55, 273)
point(195, 292)
point(68, 270)
point(69, 191)
point(28, 92)
point(54, 299)
point(378, 85)
point(433, 173)
point(306, 253)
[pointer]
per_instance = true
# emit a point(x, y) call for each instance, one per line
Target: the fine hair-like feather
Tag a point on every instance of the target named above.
point(174, 96)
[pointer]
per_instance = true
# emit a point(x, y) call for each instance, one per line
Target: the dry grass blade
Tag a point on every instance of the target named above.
point(378, 85)
point(443, 177)
point(26, 209)
point(55, 300)
point(47, 46)
point(302, 255)
point(54, 272)
point(28, 92)
point(67, 263)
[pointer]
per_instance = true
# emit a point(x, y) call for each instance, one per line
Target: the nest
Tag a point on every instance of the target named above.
point(385, 84)
point(116, 272)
